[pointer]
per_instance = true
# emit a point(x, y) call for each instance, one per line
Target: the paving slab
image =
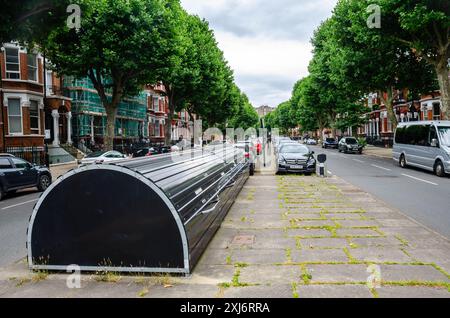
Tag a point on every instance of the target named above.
point(212, 274)
point(259, 292)
point(308, 233)
point(270, 274)
point(347, 273)
point(323, 243)
point(381, 255)
point(283, 243)
point(351, 232)
point(412, 292)
point(320, 223)
point(183, 291)
point(397, 223)
point(345, 216)
point(257, 257)
point(333, 291)
point(313, 256)
point(430, 255)
point(216, 257)
point(377, 242)
point(423, 273)
point(358, 223)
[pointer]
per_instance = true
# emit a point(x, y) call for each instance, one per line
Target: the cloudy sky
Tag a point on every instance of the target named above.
point(265, 41)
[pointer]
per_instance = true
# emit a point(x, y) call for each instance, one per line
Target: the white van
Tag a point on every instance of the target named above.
point(423, 144)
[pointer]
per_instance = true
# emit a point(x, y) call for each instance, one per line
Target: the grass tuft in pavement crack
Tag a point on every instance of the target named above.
point(305, 276)
point(351, 259)
point(295, 290)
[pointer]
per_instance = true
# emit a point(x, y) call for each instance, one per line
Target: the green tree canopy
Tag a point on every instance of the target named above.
point(423, 26)
point(119, 45)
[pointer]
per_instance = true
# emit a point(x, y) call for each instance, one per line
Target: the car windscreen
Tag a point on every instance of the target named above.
point(444, 134)
point(294, 149)
point(331, 140)
point(351, 141)
point(95, 154)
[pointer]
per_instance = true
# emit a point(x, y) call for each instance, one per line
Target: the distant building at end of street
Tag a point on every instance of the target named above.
point(264, 110)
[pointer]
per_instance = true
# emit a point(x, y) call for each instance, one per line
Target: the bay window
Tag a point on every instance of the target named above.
point(12, 63)
point(14, 116)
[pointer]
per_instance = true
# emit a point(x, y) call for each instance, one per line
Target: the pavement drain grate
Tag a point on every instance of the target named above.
point(243, 240)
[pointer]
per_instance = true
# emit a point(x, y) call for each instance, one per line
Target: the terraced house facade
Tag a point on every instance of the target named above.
point(27, 103)
point(379, 129)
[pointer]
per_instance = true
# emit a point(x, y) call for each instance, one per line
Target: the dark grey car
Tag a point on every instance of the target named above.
point(296, 158)
point(350, 145)
point(16, 174)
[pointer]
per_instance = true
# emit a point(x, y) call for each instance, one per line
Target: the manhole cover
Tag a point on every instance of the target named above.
point(243, 240)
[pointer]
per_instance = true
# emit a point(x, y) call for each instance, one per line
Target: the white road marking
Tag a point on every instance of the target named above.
point(329, 172)
point(382, 168)
point(418, 179)
point(360, 161)
point(19, 204)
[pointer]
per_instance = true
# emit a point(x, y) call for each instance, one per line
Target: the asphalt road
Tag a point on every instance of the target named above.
point(15, 210)
point(419, 194)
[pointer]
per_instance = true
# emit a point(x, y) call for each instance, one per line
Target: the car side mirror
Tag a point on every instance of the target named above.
point(434, 143)
point(312, 152)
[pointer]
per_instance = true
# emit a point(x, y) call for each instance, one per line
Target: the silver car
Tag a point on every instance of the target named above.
point(425, 145)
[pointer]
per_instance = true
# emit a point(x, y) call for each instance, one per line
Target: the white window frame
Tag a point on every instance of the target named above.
point(155, 106)
point(6, 63)
point(21, 117)
point(35, 70)
point(437, 117)
point(38, 117)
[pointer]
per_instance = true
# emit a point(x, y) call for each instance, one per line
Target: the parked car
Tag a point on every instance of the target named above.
point(151, 151)
point(102, 157)
point(16, 174)
point(296, 158)
point(330, 143)
point(424, 145)
point(311, 142)
point(284, 142)
point(249, 152)
point(163, 149)
point(145, 152)
point(350, 145)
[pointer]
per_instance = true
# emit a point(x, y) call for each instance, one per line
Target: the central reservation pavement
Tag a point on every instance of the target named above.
point(285, 237)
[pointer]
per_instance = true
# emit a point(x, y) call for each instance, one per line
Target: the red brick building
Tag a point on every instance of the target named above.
point(379, 129)
point(25, 102)
point(158, 110)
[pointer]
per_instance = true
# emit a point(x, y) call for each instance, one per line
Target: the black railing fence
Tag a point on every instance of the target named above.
point(35, 155)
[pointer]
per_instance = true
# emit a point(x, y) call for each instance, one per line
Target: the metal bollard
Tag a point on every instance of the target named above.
point(322, 167)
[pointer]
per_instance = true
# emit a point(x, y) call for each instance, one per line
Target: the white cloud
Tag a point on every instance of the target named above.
point(266, 42)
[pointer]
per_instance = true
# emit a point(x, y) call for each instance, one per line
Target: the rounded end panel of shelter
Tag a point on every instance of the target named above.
point(106, 217)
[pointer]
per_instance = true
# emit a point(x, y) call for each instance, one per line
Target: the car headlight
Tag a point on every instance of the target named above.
point(281, 160)
point(311, 161)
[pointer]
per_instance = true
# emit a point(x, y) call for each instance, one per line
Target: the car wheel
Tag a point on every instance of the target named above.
point(2, 194)
point(439, 169)
point(403, 161)
point(44, 182)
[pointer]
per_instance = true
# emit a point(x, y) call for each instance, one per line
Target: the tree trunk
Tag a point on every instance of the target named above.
point(444, 85)
point(111, 114)
point(168, 126)
point(389, 103)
